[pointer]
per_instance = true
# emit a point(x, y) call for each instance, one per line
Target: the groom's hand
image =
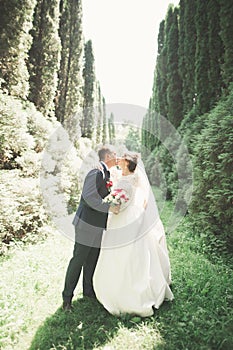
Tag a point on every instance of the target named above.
point(115, 209)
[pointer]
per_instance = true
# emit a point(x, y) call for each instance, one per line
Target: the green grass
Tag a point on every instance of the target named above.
point(199, 318)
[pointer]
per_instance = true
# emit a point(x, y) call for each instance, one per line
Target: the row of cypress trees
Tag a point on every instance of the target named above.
point(44, 58)
point(192, 91)
point(194, 61)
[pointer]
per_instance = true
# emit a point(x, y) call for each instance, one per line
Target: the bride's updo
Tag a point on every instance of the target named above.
point(132, 160)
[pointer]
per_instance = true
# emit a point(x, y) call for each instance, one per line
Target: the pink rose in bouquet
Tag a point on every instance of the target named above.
point(116, 197)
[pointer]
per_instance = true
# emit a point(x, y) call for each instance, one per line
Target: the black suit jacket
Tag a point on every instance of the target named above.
point(92, 214)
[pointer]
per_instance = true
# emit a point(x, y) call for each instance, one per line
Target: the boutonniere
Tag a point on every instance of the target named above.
point(109, 184)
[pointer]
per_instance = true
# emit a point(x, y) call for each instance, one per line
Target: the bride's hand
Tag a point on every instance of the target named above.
point(115, 209)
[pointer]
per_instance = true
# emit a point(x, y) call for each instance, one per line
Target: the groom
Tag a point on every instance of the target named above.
point(90, 220)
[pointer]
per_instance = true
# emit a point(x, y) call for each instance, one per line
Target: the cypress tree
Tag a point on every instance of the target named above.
point(154, 102)
point(174, 89)
point(202, 84)
point(15, 23)
point(152, 125)
point(161, 72)
point(111, 128)
point(152, 120)
point(105, 125)
point(87, 122)
point(69, 98)
point(99, 108)
point(226, 23)
point(187, 61)
point(44, 55)
point(181, 39)
point(215, 51)
point(143, 137)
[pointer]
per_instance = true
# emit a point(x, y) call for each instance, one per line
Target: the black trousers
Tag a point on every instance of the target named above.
point(83, 257)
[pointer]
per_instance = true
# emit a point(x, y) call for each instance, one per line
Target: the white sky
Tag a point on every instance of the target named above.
point(124, 37)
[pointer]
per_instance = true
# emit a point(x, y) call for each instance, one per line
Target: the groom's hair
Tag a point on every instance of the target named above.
point(103, 151)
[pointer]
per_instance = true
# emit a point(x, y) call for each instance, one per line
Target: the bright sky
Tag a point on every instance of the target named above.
point(124, 37)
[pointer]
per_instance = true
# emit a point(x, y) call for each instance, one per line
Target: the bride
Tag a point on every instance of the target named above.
point(133, 271)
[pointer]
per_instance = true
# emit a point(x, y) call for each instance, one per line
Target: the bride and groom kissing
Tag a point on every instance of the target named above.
point(121, 248)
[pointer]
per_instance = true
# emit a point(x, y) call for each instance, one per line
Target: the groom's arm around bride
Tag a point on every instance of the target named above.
point(90, 220)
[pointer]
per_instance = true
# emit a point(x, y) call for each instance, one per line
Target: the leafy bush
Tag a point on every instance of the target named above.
point(25, 135)
point(213, 163)
point(161, 168)
point(22, 214)
point(39, 126)
point(23, 132)
point(29, 163)
point(14, 135)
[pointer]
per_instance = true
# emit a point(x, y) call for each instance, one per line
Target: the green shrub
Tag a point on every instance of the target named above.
point(22, 214)
point(39, 126)
point(14, 135)
point(213, 163)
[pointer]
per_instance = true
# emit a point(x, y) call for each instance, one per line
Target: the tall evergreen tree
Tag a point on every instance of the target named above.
point(152, 126)
point(174, 89)
point(69, 98)
point(144, 136)
point(161, 72)
point(226, 22)
point(188, 56)
point(44, 55)
point(15, 23)
point(181, 41)
point(202, 83)
point(216, 49)
point(111, 128)
point(105, 124)
point(99, 110)
point(87, 123)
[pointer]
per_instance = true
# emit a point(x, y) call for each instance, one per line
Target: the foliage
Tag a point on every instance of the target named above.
point(202, 58)
point(15, 24)
point(105, 124)
point(132, 140)
point(14, 135)
point(216, 51)
point(23, 132)
point(100, 112)
point(22, 214)
point(69, 96)
point(44, 55)
point(111, 128)
point(160, 86)
point(205, 68)
point(226, 24)
point(174, 89)
point(156, 170)
point(87, 122)
point(212, 200)
point(24, 148)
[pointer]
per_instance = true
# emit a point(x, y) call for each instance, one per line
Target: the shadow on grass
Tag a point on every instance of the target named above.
point(88, 326)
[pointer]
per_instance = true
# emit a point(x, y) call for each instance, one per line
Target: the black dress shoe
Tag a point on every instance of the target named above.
point(67, 306)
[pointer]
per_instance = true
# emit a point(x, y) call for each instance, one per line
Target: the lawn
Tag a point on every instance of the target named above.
point(199, 318)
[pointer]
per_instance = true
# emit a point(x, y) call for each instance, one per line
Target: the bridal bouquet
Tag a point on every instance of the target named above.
point(116, 197)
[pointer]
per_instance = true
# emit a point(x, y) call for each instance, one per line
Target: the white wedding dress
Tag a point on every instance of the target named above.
point(133, 270)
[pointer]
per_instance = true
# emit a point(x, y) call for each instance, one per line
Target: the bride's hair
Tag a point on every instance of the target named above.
point(132, 159)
